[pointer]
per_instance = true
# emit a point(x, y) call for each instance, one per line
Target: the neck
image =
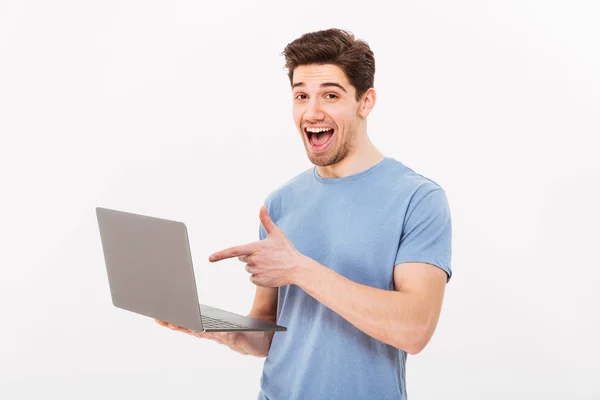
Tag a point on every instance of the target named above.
point(364, 156)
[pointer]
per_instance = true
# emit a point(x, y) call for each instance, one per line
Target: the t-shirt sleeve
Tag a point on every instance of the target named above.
point(427, 233)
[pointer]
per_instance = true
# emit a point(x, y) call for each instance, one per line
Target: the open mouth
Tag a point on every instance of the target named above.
point(319, 138)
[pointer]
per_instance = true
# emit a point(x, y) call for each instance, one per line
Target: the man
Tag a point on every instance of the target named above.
point(354, 253)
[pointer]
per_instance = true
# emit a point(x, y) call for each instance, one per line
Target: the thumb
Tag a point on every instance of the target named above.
point(266, 220)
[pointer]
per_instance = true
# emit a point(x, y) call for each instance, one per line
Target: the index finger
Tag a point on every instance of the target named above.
point(236, 251)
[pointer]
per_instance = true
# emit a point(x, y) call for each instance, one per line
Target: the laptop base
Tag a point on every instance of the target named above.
point(218, 320)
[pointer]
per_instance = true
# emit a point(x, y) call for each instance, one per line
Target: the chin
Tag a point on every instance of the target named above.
point(322, 160)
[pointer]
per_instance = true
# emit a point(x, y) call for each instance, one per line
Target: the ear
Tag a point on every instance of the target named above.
point(367, 103)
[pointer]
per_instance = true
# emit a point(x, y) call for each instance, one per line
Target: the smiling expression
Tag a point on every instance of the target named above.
point(325, 112)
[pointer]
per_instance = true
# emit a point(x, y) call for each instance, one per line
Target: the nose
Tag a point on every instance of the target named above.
point(314, 112)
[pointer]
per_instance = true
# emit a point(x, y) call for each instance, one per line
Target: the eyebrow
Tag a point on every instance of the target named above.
point(324, 84)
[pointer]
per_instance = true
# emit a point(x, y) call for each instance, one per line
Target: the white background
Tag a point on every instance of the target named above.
point(182, 110)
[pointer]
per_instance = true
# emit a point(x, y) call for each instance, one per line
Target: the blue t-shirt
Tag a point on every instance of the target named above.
point(360, 226)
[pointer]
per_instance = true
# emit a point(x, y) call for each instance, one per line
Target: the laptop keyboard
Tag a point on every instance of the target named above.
point(213, 323)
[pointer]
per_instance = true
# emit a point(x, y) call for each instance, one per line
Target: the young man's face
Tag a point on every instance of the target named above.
point(325, 101)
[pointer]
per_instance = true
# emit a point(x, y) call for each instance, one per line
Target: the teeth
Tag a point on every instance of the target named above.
point(317, 130)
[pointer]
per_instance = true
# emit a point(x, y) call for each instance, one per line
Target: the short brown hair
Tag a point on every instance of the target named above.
point(337, 47)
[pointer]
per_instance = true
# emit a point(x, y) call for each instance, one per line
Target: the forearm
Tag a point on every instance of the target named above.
point(254, 343)
point(390, 316)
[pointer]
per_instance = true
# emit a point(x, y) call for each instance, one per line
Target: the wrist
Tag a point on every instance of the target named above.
point(302, 269)
point(253, 343)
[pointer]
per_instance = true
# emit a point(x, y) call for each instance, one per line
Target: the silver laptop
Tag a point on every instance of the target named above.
point(150, 272)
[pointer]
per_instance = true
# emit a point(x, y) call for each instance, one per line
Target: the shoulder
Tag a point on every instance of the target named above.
point(409, 186)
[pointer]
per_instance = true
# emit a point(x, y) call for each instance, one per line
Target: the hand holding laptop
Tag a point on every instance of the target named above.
point(253, 343)
point(272, 262)
point(227, 338)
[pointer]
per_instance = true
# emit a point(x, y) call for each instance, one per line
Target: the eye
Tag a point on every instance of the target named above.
point(331, 94)
point(300, 96)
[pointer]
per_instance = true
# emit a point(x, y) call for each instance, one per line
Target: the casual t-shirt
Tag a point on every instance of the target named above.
point(360, 226)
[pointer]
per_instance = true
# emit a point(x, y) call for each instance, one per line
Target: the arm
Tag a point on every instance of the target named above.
point(404, 318)
point(264, 307)
point(253, 343)
point(265, 304)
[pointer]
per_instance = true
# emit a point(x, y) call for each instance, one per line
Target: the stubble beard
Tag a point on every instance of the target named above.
point(333, 155)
